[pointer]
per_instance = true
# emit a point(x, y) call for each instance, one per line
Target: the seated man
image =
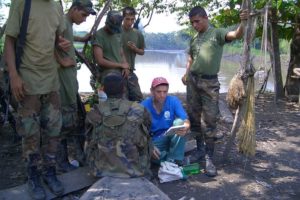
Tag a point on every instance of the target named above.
point(118, 142)
point(164, 110)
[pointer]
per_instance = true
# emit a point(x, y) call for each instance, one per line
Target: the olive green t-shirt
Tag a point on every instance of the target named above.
point(206, 51)
point(38, 67)
point(68, 75)
point(137, 38)
point(111, 47)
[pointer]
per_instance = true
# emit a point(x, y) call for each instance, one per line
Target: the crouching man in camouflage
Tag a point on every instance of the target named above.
point(118, 143)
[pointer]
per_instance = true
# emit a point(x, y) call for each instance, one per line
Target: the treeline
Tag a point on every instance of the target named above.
point(180, 41)
point(166, 41)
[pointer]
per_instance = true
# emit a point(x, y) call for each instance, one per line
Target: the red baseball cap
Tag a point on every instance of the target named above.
point(159, 81)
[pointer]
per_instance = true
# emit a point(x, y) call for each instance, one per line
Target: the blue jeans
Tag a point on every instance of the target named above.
point(171, 147)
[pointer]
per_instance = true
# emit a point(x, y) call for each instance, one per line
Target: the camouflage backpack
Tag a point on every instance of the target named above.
point(119, 143)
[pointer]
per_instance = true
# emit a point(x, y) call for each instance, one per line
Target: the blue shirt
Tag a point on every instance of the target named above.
point(161, 122)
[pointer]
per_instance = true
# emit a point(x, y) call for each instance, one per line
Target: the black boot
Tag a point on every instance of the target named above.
point(80, 157)
point(51, 180)
point(210, 169)
point(62, 160)
point(35, 187)
point(200, 153)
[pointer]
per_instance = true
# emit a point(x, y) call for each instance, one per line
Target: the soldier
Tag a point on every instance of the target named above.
point(35, 86)
point(133, 43)
point(107, 47)
point(118, 144)
point(203, 65)
point(70, 147)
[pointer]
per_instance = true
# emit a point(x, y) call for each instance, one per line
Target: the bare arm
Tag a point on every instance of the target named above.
point(238, 33)
point(98, 54)
point(16, 83)
point(64, 61)
point(125, 72)
point(188, 66)
point(134, 48)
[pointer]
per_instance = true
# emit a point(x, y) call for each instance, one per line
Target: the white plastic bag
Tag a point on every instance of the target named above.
point(169, 171)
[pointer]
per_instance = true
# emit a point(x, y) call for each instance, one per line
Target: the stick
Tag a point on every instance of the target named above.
point(232, 133)
point(98, 20)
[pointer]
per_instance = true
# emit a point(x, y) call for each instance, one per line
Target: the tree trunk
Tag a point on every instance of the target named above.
point(291, 84)
point(276, 66)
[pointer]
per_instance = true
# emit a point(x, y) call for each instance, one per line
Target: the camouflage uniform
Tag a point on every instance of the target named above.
point(204, 100)
point(119, 144)
point(206, 50)
point(193, 116)
point(133, 88)
point(39, 116)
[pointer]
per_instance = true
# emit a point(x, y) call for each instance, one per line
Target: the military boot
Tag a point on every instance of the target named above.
point(35, 187)
point(210, 169)
point(62, 160)
point(51, 180)
point(200, 149)
point(80, 157)
point(199, 155)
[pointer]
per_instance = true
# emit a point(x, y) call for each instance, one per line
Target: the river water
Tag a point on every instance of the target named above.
point(171, 65)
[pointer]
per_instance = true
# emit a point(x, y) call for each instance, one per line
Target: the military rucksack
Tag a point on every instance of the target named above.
point(119, 143)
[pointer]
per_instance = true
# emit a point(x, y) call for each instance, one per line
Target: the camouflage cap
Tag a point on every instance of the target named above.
point(86, 4)
point(114, 21)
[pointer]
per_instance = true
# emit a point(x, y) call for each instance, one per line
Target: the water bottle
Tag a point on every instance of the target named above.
point(102, 95)
point(178, 122)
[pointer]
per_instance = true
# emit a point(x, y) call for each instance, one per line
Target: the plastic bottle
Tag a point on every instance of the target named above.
point(191, 169)
point(102, 95)
point(178, 122)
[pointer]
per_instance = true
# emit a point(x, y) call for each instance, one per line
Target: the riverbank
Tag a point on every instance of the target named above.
point(274, 172)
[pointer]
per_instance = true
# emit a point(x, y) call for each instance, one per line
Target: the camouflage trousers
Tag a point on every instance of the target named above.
point(39, 123)
point(70, 132)
point(203, 105)
point(193, 117)
point(133, 89)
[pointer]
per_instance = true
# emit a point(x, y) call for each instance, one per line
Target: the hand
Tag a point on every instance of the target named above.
point(156, 153)
point(125, 73)
point(131, 46)
point(125, 65)
point(183, 131)
point(64, 44)
point(296, 71)
point(17, 87)
point(183, 79)
point(244, 14)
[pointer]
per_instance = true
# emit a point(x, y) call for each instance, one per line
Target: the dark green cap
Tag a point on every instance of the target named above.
point(86, 4)
point(114, 21)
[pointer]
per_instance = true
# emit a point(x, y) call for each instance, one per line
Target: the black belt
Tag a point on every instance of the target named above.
point(205, 76)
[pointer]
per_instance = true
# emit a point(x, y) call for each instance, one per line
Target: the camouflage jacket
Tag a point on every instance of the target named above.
point(118, 142)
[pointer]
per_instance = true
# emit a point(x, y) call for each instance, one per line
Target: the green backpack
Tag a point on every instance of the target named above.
point(119, 143)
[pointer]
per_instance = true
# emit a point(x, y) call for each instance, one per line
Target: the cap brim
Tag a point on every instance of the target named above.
point(91, 11)
point(115, 29)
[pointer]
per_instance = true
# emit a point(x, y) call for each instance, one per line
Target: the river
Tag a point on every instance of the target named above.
point(171, 65)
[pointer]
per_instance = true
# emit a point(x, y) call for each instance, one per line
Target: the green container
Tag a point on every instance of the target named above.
point(191, 169)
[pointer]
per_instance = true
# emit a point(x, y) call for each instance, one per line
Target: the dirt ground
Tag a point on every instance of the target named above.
point(274, 172)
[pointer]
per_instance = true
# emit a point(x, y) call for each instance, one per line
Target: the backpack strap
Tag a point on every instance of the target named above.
point(23, 31)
